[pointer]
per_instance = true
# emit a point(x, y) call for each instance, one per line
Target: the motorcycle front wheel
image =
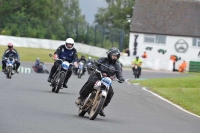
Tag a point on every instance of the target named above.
point(81, 112)
point(9, 72)
point(60, 82)
point(96, 107)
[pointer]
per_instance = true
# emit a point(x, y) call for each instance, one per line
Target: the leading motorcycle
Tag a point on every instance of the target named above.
point(95, 101)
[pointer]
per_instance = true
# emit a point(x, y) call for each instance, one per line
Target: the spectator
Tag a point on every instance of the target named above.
point(182, 66)
point(144, 55)
point(173, 58)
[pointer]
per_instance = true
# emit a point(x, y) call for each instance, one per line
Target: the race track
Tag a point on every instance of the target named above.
point(27, 105)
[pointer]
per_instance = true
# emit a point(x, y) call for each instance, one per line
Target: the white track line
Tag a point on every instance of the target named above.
point(170, 102)
point(126, 80)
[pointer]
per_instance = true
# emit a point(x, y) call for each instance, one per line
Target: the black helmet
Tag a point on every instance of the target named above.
point(82, 56)
point(113, 51)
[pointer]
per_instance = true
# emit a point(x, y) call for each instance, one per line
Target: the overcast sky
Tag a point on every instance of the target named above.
point(90, 7)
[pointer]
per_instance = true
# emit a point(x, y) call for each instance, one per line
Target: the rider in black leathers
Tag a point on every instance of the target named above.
point(67, 52)
point(10, 52)
point(111, 62)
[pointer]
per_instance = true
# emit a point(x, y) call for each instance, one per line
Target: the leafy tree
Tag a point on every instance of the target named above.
point(39, 18)
point(115, 15)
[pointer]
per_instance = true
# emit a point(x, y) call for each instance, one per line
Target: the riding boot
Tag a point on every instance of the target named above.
point(16, 70)
point(3, 68)
point(101, 113)
point(65, 83)
point(50, 77)
point(79, 100)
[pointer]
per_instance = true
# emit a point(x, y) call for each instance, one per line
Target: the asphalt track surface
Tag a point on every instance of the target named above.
point(27, 105)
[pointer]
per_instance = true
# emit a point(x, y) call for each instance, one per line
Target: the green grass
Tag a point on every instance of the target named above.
point(30, 54)
point(184, 91)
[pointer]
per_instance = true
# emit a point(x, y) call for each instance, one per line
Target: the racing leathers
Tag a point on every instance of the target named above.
point(11, 53)
point(111, 69)
point(68, 55)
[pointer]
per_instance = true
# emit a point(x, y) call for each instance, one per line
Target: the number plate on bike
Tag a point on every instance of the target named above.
point(106, 81)
point(80, 65)
point(65, 65)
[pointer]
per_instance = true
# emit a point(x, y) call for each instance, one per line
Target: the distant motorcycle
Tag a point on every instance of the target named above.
point(136, 71)
point(41, 68)
point(88, 68)
point(10, 65)
point(60, 74)
point(80, 69)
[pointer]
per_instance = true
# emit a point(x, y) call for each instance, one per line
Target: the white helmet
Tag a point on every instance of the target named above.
point(89, 58)
point(69, 41)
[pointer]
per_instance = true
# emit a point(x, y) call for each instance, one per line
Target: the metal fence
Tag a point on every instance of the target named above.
point(95, 35)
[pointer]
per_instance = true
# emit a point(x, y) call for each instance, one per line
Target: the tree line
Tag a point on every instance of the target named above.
point(59, 19)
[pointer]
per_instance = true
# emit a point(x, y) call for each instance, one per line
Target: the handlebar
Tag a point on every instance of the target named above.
point(5, 58)
point(61, 60)
point(114, 78)
point(105, 66)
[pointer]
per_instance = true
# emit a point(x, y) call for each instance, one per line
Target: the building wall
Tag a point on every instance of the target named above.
point(158, 60)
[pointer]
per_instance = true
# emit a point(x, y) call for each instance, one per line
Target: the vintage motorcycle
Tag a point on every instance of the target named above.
point(136, 71)
point(59, 76)
point(10, 65)
point(80, 69)
point(95, 101)
point(88, 68)
point(41, 68)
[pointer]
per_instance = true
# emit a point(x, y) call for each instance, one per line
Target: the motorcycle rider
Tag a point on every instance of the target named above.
point(137, 62)
point(37, 65)
point(10, 52)
point(67, 52)
point(111, 61)
point(37, 62)
point(89, 63)
point(89, 60)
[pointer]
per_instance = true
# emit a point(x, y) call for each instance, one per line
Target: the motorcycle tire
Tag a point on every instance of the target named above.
point(81, 112)
point(53, 89)
point(95, 110)
point(9, 72)
point(79, 73)
point(60, 82)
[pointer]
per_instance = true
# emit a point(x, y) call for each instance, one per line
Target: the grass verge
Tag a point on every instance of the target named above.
point(184, 91)
point(30, 54)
